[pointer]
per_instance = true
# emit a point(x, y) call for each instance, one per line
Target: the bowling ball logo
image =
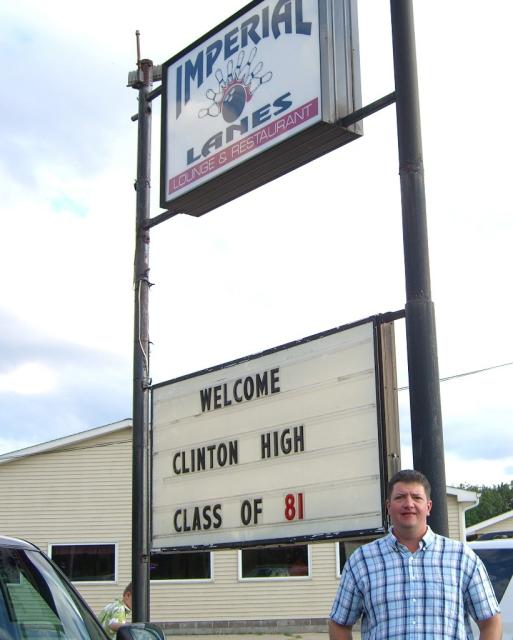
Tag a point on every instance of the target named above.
point(235, 88)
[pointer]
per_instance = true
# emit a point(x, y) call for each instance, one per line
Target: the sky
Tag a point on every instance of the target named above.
point(318, 248)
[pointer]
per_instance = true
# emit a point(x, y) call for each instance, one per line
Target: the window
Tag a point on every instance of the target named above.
point(275, 562)
point(180, 566)
point(499, 564)
point(346, 548)
point(86, 562)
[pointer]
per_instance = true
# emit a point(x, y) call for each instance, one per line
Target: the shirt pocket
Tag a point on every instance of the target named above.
point(442, 595)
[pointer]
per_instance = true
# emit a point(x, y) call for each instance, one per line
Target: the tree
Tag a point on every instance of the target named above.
point(493, 501)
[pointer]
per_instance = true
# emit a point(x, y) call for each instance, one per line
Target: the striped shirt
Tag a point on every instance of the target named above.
point(426, 595)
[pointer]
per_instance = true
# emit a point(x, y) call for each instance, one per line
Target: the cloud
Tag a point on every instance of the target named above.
point(477, 471)
point(94, 387)
point(30, 378)
point(477, 418)
point(315, 249)
point(57, 116)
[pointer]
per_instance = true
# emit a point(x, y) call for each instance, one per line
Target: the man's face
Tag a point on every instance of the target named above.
point(127, 599)
point(408, 508)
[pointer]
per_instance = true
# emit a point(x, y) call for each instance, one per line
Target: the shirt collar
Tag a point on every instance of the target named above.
point(427, 539)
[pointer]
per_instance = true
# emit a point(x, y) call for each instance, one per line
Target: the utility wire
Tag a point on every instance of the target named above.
point(20, 454)
point(466, 373)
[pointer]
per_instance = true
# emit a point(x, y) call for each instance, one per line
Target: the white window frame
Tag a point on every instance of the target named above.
point(309, 576)
point(338, 573)
point(191, 580)
point(89, 543)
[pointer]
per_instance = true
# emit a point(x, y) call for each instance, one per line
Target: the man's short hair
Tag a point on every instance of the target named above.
point(409, 476)
point(128, 589)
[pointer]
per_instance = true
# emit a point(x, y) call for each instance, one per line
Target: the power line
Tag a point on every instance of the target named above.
point(18, 454)
point(466, 373)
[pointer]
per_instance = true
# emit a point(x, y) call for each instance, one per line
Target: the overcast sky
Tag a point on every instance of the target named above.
point(319, 248)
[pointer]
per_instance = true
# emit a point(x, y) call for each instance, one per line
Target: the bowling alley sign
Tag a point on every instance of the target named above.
point(256, 97)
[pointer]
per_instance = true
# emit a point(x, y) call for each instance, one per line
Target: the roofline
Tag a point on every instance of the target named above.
point(75, 438)
point(464, 495)
point(491, 521)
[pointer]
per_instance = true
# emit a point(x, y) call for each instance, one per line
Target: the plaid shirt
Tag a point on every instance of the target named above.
point(426, 595)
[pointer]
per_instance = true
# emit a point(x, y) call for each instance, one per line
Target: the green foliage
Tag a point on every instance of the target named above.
point(493, 501)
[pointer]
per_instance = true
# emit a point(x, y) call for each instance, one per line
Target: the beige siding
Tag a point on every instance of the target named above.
point(505, 525)
point(76, 495)
point(228, 598)
point(453, 513)
point(82, 494)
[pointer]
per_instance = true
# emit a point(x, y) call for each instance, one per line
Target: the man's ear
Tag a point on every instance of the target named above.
point(429, 505)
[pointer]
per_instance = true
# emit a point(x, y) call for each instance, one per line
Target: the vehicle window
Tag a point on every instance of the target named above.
point(86, 562)
point(36, 603)
point(499, 564)
point(275, 562)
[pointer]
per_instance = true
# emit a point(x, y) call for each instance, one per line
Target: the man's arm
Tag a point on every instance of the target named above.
point(340, 632)
point(491, 628)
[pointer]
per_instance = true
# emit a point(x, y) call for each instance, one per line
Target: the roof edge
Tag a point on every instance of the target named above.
point(491, 521)
point(464, 495)
point(51, 445)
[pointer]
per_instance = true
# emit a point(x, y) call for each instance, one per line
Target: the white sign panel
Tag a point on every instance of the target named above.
point(283, 445)
point(240, 81)
point(249, 85)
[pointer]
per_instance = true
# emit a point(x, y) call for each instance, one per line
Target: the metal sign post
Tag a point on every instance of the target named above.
point(141, 380)
point(425, 405)
point(426, 427)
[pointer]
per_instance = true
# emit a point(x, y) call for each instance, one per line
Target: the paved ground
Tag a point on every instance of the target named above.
point(262, 636)
point(256, 636)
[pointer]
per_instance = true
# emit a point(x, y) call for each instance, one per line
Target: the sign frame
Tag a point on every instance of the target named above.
point(340, 94)
point(387, 429)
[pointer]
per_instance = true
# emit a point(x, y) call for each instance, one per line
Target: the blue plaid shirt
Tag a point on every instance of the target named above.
point(426, 595)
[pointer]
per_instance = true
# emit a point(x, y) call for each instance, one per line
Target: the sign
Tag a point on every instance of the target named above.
point(286, 445)
point(255, 98)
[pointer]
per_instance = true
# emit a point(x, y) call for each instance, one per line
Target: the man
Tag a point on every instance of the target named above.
point(115, 614)
point(412, 583)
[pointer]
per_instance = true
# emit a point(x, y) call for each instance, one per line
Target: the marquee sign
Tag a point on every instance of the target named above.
point(287, 445)
point(255, 98)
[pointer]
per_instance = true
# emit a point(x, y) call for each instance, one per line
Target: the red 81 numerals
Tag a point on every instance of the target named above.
point(294, 506)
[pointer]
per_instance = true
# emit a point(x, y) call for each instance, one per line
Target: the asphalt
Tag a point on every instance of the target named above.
point(262, 636)
point(255, 636)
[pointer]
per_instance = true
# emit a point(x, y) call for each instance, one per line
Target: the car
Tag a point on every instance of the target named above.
point(495, 535)
point(497, 556)
point(38, 601)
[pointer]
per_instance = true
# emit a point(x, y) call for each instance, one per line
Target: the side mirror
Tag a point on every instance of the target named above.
point(140, 631)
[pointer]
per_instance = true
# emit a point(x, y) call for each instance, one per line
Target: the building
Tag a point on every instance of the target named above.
point(501, 526)
point(72, 497)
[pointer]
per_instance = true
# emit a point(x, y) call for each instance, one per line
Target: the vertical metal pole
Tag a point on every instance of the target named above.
point(425, 404)
point(140, 457)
